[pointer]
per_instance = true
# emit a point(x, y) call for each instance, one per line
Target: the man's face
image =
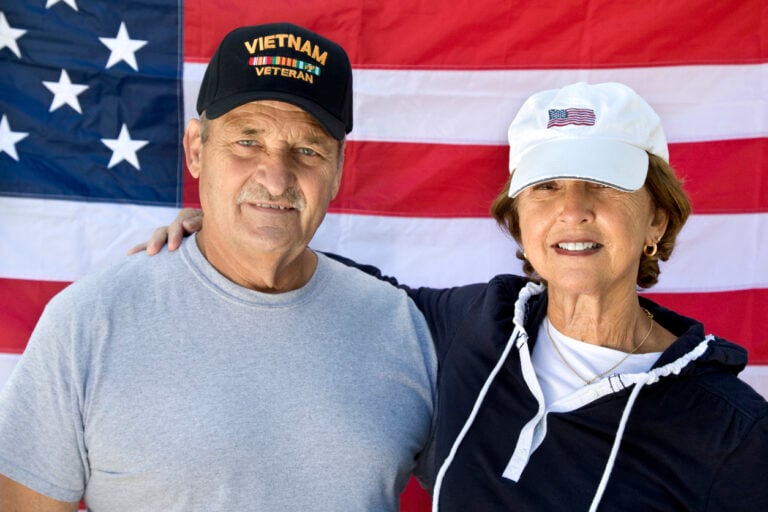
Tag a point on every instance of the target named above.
point(267, 173)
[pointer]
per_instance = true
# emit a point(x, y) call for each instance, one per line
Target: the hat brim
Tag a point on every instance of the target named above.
point(608, 162)
point(333, 126)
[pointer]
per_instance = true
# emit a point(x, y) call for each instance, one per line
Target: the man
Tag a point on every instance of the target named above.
point(245, 371)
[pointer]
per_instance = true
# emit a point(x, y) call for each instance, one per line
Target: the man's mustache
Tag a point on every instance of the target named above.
point(258, 194)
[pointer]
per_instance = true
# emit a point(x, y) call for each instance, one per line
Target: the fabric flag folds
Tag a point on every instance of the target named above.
point(94, 96)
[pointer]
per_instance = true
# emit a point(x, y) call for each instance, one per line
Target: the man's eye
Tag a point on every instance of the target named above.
point(247, 142)
point(307, 151)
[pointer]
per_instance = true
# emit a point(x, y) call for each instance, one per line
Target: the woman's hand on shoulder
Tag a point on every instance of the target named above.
point(188, 221)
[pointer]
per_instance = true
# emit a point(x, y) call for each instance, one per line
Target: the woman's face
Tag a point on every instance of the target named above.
point(586, 238)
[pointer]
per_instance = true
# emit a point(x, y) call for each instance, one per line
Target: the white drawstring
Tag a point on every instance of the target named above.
point(518, 337)
point(641, 380)
point(531, 434)
point(516, 333)
point(616, 442)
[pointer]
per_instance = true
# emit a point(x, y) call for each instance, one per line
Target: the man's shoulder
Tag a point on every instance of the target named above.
point(113, 280)
point(352, 281)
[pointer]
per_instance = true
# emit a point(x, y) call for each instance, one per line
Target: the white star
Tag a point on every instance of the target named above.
point(70, 3)
point(9, 35)
point(8, 138)
point(122, 47)
point(123, 148)
point(65, 92)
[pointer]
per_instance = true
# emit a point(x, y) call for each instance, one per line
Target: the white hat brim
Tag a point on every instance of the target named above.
point(608, 162)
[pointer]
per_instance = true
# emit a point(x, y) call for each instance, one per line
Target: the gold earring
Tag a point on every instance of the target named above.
point(651, 250)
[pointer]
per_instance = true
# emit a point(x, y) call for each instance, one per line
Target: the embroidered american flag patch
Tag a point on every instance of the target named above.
point(566, 116)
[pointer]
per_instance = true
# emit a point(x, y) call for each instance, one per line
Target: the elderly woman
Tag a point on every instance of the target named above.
point(565, 390)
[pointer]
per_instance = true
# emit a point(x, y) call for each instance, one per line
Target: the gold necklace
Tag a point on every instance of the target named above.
point(609, 370)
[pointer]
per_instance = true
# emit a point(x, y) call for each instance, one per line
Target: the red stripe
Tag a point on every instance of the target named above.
point(21, 303)
point(433, 180)
point(737, 316)
point(414, 498)
point(429, 180)
point(519, 35)
point(425, 180)
point(724, 176)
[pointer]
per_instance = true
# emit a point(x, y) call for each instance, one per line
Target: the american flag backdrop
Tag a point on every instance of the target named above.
point(94, 95)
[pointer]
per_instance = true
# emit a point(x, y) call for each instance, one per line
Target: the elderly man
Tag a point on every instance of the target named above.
point(245, 371)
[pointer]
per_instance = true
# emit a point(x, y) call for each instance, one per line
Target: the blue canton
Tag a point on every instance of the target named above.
point(90, 101)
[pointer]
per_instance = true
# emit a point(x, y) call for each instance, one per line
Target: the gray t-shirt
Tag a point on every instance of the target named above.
point(158, 384)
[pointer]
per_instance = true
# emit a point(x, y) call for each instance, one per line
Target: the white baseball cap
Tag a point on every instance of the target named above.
point(600, 133)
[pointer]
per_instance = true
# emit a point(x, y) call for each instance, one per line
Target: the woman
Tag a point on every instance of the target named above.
point(565, 390)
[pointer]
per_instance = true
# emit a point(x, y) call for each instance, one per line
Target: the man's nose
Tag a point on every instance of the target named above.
point(275, 173)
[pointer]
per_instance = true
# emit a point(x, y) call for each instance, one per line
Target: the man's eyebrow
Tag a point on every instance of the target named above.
point(249, 130)
point(314, 136)
point(317, 139)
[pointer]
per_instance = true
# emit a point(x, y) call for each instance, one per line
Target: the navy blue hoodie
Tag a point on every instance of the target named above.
point(688, 435)
point(695, 437)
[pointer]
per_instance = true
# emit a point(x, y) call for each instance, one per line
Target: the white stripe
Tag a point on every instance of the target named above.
point(696, 103)
point(447, 252)
point(7, 364)
point(53, 240)
point(757, 377)
point(73, 238)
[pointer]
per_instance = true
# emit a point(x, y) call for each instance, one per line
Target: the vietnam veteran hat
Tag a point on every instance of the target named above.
point(284, 62)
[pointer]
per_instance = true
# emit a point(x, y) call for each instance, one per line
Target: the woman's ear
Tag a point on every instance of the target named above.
point(659, 223)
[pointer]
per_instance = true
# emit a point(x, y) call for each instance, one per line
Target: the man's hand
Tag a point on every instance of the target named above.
point(188, 221)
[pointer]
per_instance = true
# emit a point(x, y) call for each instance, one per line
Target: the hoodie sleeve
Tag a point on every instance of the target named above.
point(741, 481)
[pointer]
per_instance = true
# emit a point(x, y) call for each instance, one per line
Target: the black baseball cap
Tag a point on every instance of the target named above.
point(284, 62)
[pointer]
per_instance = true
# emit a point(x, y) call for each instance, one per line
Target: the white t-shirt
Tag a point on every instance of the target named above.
point(558, 381)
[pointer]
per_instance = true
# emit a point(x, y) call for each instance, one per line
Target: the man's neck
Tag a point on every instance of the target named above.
point(262, 272)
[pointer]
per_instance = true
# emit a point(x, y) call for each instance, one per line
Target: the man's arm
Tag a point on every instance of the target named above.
point(15, 497)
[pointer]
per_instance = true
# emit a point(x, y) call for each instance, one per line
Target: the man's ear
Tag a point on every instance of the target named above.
point(340, 170)
point(336, 184)
point(193, 147)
